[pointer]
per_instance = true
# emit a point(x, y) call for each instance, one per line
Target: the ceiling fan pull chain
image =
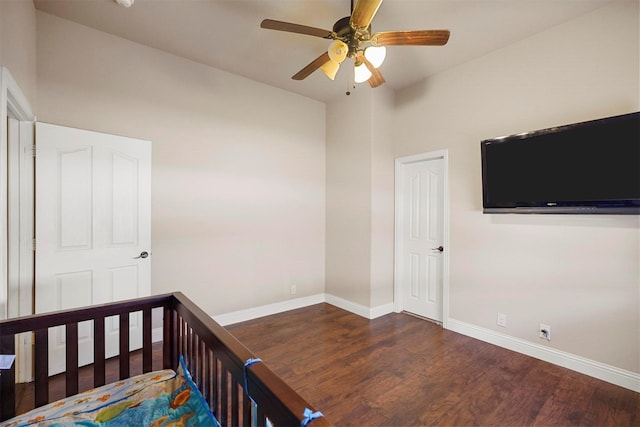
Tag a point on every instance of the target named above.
point(350, 84)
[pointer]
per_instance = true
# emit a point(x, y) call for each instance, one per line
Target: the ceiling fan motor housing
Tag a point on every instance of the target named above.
point(353, 37)
point(342, 27)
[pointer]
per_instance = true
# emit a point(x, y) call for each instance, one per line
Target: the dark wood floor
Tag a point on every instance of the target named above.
point(402, 371)
point(398, 370)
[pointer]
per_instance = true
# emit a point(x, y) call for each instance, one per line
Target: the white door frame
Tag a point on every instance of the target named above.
point(399, 215)
point(13, 103)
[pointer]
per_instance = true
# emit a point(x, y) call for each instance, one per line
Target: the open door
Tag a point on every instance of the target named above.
point(93, 229)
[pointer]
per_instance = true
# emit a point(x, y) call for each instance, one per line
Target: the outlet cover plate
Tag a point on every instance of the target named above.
point(545, 335)
point(502, 320)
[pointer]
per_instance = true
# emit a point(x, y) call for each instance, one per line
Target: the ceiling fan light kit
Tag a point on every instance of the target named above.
point(361, 73)
point(330, 69)
point(375, 55)
point(338, 51)
point(125, 3)
point(352, 38)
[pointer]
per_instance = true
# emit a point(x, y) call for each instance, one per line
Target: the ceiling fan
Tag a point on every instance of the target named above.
point(352, 38)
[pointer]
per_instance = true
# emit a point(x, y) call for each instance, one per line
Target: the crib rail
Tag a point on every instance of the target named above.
point(214, 357)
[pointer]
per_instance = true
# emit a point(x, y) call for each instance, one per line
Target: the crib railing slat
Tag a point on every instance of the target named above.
point(98, 352)
point(262, 417)
point(71, 350)
point(167, 332)
point(215, 408)
point(184, 332)
point(123, 356)
point(246, 410)
point(195, 356)
point(224, 396)
point(41, 361)
point(235, 401)
point(202, 366)
point(8, 379)
point(206, 376)
point(190, 348)
point(147, 353)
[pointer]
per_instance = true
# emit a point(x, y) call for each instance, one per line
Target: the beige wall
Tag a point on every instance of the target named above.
point(238, 167)
point(18, 44)
point(348, 251)
point(579, 274)
point(382, 196)
point(360, 197)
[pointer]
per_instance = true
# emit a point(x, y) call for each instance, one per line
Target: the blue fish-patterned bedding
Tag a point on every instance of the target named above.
point(155, 399)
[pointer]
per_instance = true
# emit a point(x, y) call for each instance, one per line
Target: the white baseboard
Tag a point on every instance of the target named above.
point(360, 310)
point(280, 307)
point(381, 310)
point(602, 371)
point(267, 310)
point(156, 334)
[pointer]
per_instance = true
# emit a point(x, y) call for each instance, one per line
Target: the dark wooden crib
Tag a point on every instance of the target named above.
point(214, 357)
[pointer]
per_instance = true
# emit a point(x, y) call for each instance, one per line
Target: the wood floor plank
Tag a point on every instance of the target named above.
point(611, 406)
point(398, 370)
point(573, 391)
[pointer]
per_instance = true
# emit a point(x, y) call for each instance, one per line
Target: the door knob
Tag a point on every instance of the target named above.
point(439, 248)
point(143, 254)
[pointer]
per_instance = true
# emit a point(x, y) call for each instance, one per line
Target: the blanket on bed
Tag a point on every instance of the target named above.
point(155, 399)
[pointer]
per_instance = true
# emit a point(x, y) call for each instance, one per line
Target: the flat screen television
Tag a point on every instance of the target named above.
point(583, 168)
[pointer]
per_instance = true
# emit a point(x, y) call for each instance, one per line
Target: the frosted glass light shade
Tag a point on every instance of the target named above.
point(330, 68)
point(338, 51)
point(375, 55)
point(361, 73)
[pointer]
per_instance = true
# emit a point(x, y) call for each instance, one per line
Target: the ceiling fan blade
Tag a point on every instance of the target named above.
point(270, 24)
point(363, 13)
point(313, 65)
point(376, 78)
point(411, 38)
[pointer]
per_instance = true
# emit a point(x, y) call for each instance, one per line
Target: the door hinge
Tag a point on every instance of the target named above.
point(30, 150)
point(33, 245)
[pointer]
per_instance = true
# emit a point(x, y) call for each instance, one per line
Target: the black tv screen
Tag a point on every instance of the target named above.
point(581, 168)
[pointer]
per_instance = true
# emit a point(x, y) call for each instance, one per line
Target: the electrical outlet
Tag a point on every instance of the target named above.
point(293, 289)
point(502, 320)
point(545, 332)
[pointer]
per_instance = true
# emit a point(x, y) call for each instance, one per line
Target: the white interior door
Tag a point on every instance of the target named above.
point(421, 240)
point(92, 224)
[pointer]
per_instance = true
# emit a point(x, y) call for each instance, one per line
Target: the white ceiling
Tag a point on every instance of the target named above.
point(226, 34)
